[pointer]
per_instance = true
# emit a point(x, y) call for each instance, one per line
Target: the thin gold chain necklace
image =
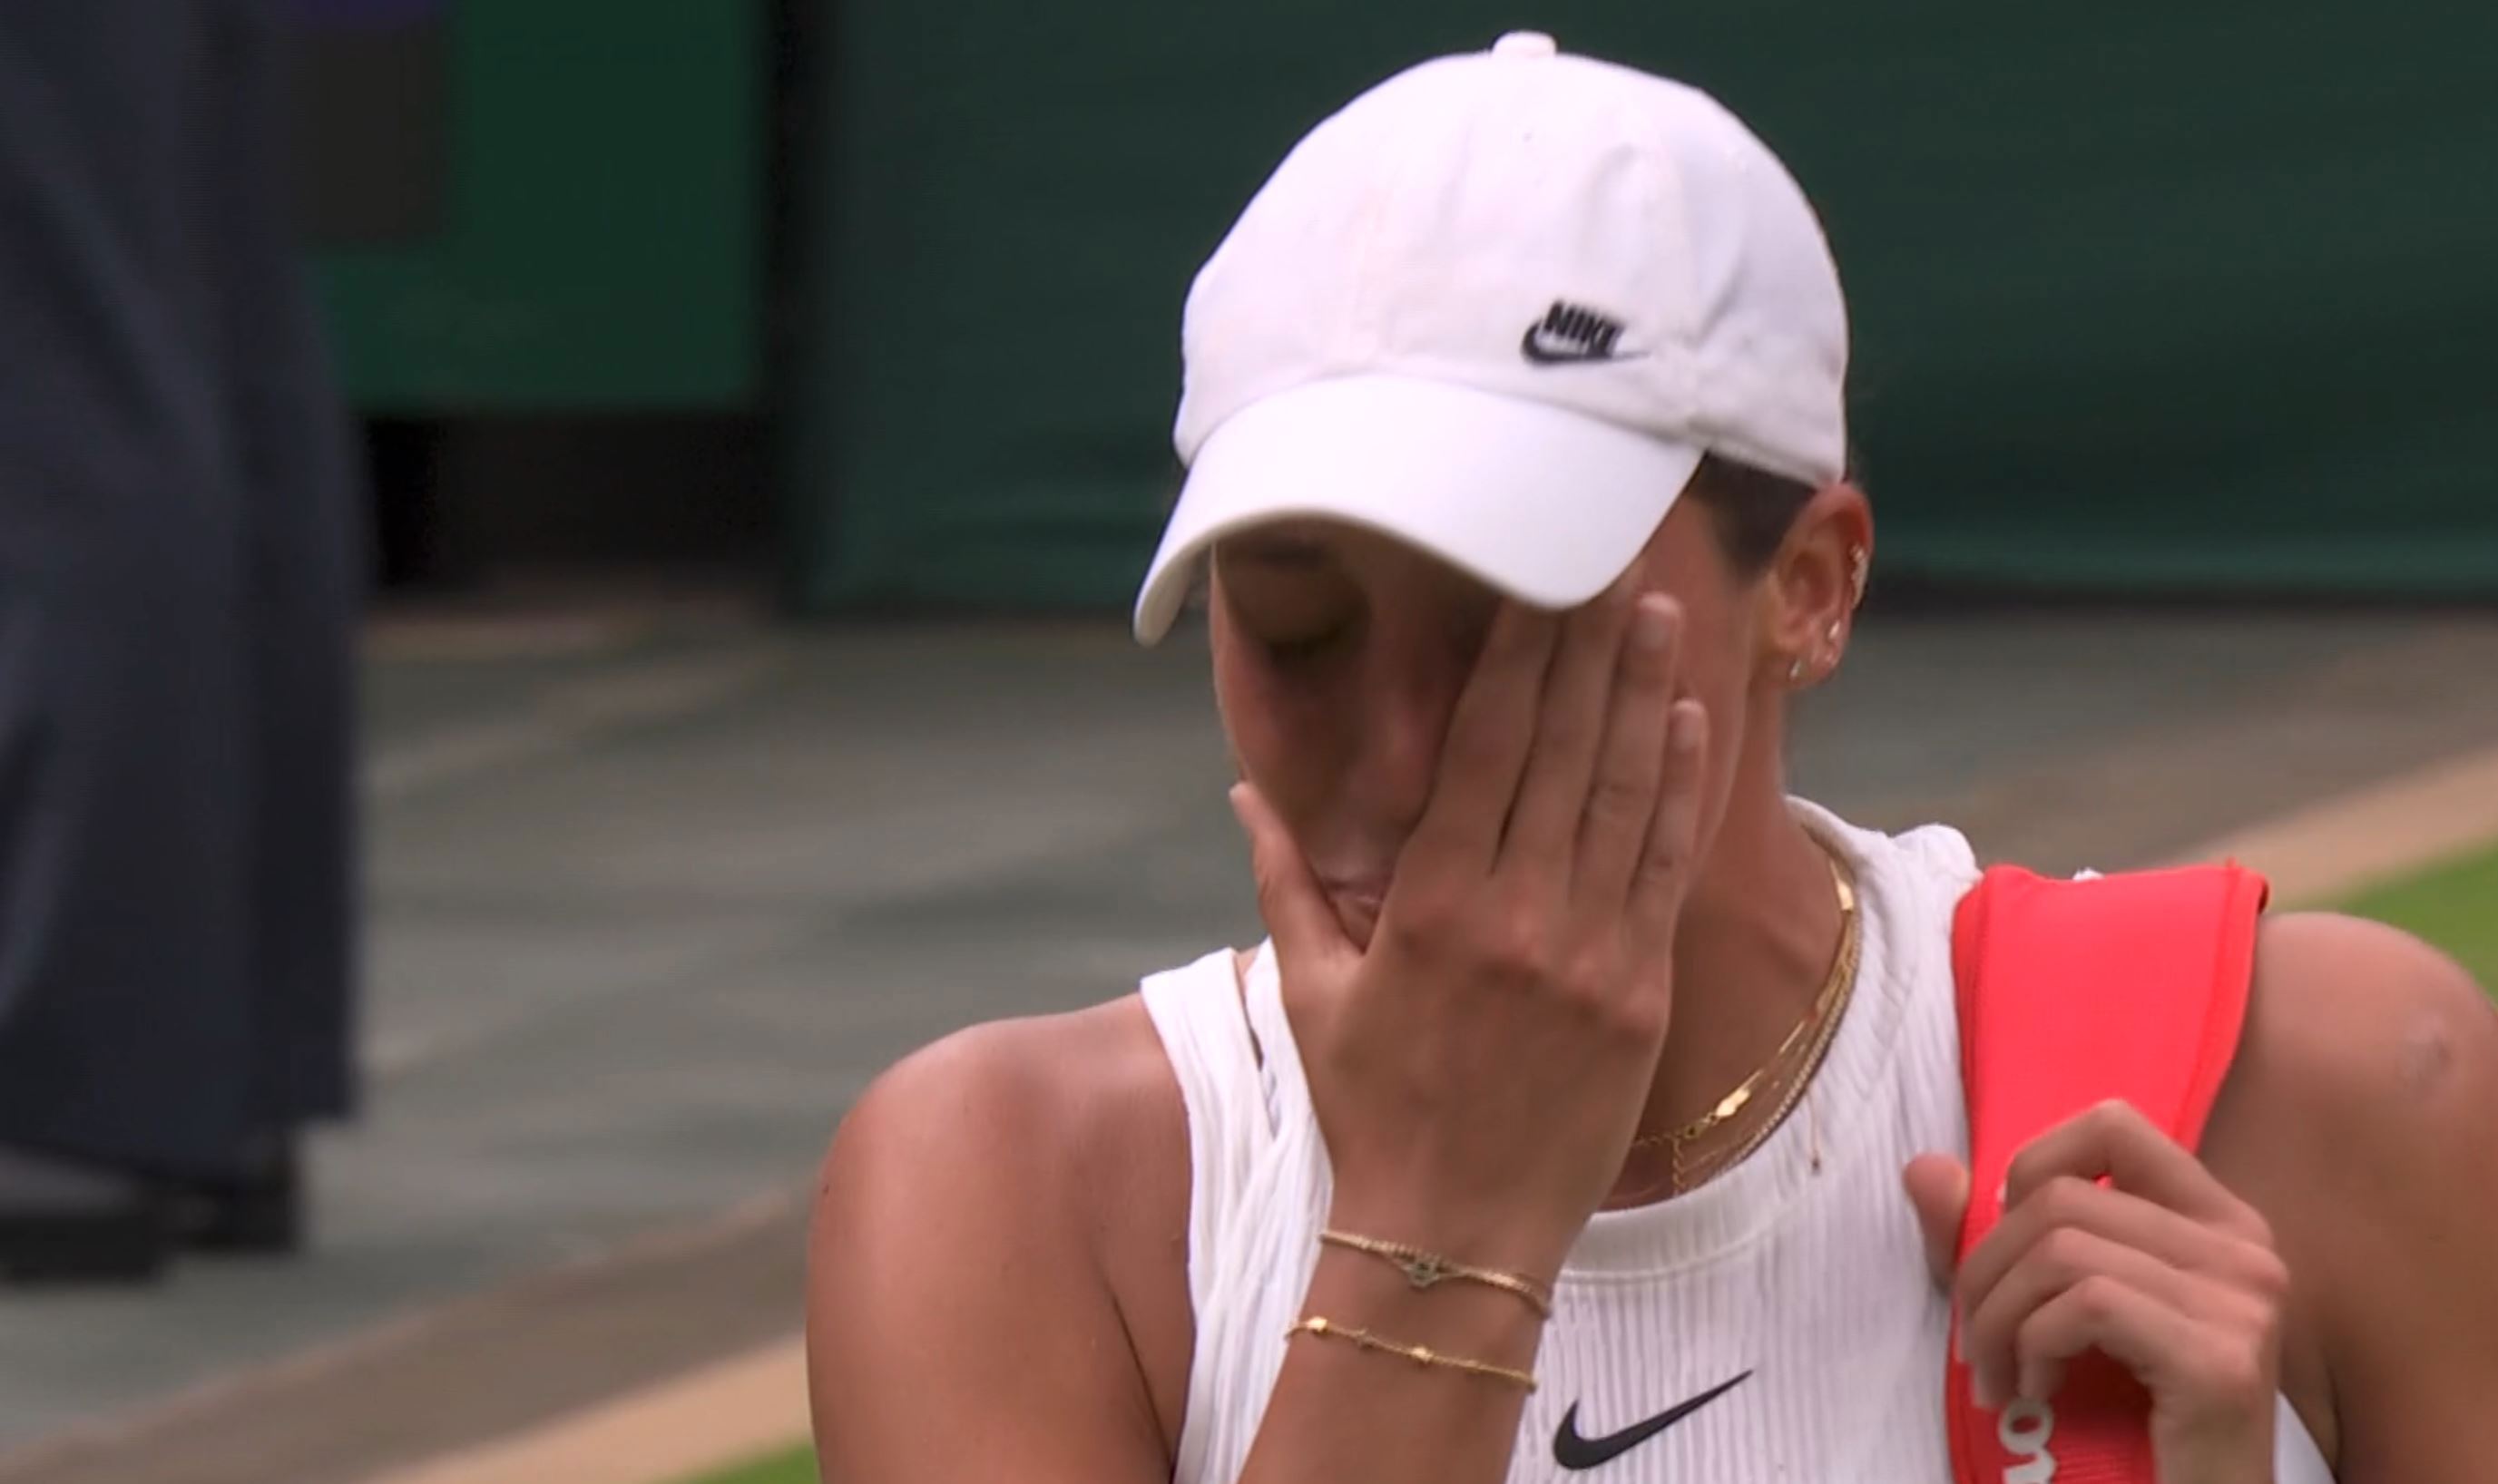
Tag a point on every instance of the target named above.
point(1813, 1032)
point(1796, 1089)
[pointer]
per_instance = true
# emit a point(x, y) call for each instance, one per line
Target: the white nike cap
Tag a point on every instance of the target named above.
point(1498, 307)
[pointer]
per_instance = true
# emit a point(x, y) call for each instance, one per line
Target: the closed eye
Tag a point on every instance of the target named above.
point(1302, 651)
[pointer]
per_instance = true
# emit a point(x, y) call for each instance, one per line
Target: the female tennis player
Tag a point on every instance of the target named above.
point(1595, 1107)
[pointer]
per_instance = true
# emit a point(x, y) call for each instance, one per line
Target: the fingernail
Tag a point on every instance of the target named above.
point(1683, 729)
point(1651, 624)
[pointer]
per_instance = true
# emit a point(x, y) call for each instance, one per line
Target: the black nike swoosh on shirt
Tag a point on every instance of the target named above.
point(1577, 1454)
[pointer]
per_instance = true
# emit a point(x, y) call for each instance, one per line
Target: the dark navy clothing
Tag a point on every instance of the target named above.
point(180, 567)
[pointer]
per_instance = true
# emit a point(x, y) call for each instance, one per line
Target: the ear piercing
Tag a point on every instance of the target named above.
point(1826, 660)
point(1860, 561)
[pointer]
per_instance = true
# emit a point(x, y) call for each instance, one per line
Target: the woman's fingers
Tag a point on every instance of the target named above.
point(2071, 1203)
point(1938, 1187)
point(2191, 1363)
point(1616, 801)
point(1991, 1333)
point(1490, 734)
point(1571, 726)
point(2115, 1142)
point(2114, 1238)
point(1290, 900)
point(1666, 856)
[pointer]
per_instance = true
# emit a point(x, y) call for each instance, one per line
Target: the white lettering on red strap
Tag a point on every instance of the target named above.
point(2024, 1430)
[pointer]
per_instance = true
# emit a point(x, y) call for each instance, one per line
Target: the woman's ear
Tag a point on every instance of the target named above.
point(1813, 584)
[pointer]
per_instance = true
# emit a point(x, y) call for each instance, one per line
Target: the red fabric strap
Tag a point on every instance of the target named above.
point(2073, 993)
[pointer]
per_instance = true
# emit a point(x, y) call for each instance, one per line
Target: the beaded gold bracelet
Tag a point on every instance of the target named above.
point(1324, 1328)
point(1425, 1270)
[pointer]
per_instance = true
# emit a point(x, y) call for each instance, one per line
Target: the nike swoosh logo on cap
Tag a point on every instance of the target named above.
point(1579, 1454)
point(1571, 333)
point(1544, 349)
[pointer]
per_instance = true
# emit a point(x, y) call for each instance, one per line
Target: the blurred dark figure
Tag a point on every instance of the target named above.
point(180, 574)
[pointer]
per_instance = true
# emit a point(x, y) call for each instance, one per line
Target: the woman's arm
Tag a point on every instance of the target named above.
point(2373, 1059)
point(960, 1320)
point(960, 1324)
point(963, 1322)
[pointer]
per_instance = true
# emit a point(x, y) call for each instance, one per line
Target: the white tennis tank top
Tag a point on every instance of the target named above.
point(1799, 1271)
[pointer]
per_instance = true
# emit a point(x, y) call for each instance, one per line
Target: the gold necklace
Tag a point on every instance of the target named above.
point(1816, 1024)
point(1852, 957)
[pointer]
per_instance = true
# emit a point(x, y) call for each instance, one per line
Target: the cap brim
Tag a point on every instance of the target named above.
point(1544, 504)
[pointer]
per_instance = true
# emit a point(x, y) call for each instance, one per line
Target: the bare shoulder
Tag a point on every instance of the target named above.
point(2368, 1071)
point(2361, 1118)
point(1046, 1102)
point(1073, 1122)
point(2366, 1028)
point(1000, 1224)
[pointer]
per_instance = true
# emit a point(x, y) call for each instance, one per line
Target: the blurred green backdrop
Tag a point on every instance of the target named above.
point(2148, 297)
point(600, 244)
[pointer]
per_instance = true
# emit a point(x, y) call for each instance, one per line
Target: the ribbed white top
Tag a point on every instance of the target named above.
point(1801, 1270)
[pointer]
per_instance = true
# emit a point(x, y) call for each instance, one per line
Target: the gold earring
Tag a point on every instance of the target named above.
point(1795, 671)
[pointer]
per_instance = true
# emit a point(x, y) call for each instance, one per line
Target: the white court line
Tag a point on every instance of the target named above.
point(2341, 846)
point(744, 1407)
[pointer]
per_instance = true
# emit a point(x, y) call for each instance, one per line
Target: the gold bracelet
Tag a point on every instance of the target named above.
point(1420, 1354)
point(1424, 1270)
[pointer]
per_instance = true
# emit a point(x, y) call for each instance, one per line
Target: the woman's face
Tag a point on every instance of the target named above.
point(1339, 655)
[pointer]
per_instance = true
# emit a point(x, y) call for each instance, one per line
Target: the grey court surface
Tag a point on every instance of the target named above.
point(651, 903)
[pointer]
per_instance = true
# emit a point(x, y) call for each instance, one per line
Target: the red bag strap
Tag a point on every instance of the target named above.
point(2073, 993)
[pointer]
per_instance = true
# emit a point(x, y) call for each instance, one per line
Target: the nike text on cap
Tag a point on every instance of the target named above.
point(1498, 307)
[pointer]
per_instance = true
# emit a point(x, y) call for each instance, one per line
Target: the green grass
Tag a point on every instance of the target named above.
point(2453, 905)
point(796, 1466)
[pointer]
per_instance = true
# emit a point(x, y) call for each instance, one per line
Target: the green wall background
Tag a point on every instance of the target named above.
point(2147, 296)
point(602, 248)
